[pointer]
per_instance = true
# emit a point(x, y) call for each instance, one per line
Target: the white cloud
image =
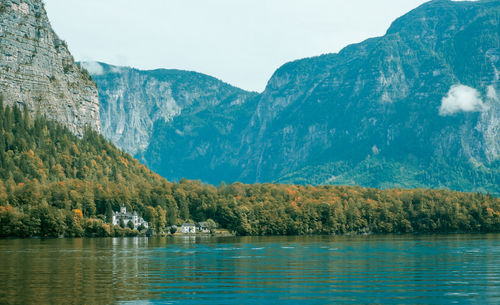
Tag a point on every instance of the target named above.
point(93, 67)
point(461, 98)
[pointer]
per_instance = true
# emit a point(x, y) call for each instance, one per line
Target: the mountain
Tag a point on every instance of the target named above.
point(38, 71)
point(174, 121)
point(133, 101)
point(417, 107)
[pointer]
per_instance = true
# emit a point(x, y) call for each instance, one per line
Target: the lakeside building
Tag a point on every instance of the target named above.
point(204, 227)
point(191, 228)
point(128, 217)
point(187, 228)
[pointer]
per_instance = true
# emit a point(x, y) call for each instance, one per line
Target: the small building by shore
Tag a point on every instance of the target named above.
point(194, 228)
point(188, 228)
point(129, 217)
point(204, 227)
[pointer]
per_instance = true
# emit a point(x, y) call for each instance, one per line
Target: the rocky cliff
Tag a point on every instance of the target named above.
point(133, 101)
point(37, 70)
point(417, 107)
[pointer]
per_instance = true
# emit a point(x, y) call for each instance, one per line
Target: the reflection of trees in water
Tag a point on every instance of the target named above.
point(67, 271)
point(130, 267)
point(107, 271)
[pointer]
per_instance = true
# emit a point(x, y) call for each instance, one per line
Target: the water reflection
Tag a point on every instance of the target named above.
point(194, 270)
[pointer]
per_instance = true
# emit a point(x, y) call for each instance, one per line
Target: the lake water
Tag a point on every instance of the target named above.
point(407, 269)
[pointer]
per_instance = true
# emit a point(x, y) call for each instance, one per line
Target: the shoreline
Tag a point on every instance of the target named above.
point(208, 235)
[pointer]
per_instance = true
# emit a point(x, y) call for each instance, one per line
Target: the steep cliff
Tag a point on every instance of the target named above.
point(417, 107)
point(377, 113)
point(133, 101)
point(37, 70)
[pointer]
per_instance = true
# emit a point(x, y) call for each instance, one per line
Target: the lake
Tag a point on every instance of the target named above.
point(390, 269)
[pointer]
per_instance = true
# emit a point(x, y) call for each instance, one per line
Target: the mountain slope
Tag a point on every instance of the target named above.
point(37, 70)
point(133, 101)
point(371, 112)
point(53, 182)
point(417, 107)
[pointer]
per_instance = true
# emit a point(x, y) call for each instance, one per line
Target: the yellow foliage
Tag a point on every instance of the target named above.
point(106, 228)
point(78, 213)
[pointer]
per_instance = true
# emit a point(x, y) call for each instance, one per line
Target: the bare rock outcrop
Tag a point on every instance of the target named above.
point(38, 71)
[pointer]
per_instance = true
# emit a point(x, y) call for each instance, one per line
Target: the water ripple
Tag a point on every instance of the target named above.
point(293, 270)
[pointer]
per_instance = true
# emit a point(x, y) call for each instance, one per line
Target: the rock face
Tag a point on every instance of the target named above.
point(370, 115)
point(134, 102)
point(417, 107)
point(37, 70)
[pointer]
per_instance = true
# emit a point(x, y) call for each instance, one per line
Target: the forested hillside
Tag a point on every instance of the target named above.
point(52, 183)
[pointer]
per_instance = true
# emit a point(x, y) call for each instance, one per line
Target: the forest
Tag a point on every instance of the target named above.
point(54, 184)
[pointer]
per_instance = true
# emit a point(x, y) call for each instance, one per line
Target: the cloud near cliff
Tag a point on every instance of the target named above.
point(93, 67)
point(461, 98)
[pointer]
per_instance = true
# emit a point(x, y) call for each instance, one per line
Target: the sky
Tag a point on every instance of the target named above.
point(241, 42)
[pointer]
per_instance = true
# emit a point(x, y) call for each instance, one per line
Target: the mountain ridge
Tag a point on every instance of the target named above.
point(153, 95)
point(373, 114)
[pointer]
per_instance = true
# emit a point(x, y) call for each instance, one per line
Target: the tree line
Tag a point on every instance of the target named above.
point(53, 183)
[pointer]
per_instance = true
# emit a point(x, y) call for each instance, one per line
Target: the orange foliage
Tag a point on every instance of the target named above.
point(371, 202)
point(294, 205)
point(124, 162)
point(78, 213)
point(291, 191)
point(6, 209)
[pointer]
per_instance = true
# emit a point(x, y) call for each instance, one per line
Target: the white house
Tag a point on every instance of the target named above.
point(128, 217)
point(188, 228)
point(204, 227)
